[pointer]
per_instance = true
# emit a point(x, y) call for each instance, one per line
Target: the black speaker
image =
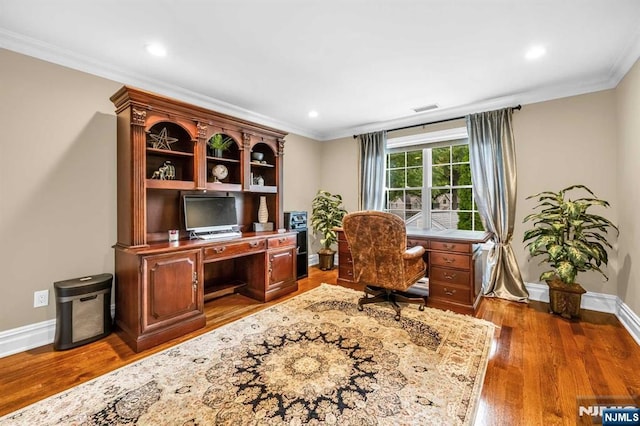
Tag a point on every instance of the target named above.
point(297, 221)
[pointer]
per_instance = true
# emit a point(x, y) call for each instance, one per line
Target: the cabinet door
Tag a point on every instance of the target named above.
point(282, 268)
point(171, 291)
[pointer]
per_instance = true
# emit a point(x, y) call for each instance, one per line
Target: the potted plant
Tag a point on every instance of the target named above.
point(327, 213)
point(219, 143)
point(570, 240)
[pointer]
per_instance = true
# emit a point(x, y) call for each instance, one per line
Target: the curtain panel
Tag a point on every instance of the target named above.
point(372, 167)
point(493, 172)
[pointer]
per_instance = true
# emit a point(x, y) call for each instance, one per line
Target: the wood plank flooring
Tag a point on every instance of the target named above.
point(540, 363)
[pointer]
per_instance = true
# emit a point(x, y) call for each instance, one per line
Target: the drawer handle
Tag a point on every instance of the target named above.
point(286, 253)
point(450, 276)
point(282, 240)
point(254, 244)
point(449, 259)
point(448, 246)
point(449, 292)
point(219, 250)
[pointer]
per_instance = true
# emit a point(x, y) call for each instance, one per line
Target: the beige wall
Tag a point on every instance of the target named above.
point(57, 182)
point(628, 179)
point(560, 143)
point(302, 176)
point(57, 176)
point(336, 163)
point(340, 170)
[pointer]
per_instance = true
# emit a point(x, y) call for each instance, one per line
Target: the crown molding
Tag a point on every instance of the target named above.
point(51, 53)
point(542, 94)
point(627, 59)
point(57, 55)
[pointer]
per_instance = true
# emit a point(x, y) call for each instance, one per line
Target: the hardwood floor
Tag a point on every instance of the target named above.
point(540, 363)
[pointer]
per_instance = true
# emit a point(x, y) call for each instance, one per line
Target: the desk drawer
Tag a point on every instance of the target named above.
point(412, 243)
point(345, 272)
point(449, 276)
point(452, 293)
point(344, 258)
point(450, 246)
point(275, 242)
point(223, 250)
point(450, 260)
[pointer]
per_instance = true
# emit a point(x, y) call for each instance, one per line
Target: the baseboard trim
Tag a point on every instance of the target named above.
point(629, 320)
point(599, 302)
point(30, 336)
point(27, 337)
point(538, 292)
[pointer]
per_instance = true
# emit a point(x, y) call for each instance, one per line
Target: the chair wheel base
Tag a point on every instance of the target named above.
point(385, 295)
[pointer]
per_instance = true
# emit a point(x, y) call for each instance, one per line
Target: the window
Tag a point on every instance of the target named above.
point(429, 185)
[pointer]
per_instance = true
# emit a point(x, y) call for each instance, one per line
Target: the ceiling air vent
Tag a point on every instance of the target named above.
point(426, 108)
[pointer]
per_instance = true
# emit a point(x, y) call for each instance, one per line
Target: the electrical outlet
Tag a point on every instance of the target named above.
point(40, 298)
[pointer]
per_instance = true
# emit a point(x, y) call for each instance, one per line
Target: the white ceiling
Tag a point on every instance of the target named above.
point(363, 65)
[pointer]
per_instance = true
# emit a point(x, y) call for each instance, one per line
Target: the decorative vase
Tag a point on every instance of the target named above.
point(263, 213)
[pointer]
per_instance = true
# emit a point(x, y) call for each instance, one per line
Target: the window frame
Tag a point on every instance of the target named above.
point(426, 142)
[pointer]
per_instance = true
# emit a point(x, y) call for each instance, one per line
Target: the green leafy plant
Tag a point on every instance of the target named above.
point(220, 141)
point(570, 239)
point(327, 213)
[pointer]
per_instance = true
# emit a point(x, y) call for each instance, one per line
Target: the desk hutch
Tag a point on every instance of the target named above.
point(161, 286)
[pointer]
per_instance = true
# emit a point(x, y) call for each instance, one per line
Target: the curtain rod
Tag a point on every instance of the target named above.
point(517, 107)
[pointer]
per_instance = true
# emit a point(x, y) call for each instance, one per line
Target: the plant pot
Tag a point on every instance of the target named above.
point(326, 259)
point(564, 299)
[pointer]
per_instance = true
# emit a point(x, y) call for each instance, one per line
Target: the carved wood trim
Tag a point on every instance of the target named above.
point(202, 130)
point(138, 117)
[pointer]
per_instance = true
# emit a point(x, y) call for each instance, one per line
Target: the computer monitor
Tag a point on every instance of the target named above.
point(206, 213)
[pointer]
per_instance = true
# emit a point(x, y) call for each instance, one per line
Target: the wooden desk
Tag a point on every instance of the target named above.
point(454, 266)
point(161, 288)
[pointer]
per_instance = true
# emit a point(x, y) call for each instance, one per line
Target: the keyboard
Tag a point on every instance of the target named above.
point(219, 235)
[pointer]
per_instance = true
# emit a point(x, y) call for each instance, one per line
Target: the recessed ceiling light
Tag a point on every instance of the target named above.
point(535, 52)
point(313, 113)
point(156, 49)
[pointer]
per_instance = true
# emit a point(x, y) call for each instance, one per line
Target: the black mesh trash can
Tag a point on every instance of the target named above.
point(83, 310)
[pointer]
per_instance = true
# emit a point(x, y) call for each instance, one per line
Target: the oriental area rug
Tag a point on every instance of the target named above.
point(313, 359)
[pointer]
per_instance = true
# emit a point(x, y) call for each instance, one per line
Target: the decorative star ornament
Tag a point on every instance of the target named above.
point(162, 140)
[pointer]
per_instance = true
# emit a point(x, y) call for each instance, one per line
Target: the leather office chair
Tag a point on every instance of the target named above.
point(381, 261)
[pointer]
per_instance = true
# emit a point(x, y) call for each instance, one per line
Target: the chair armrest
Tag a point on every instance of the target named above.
point(413, 252)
